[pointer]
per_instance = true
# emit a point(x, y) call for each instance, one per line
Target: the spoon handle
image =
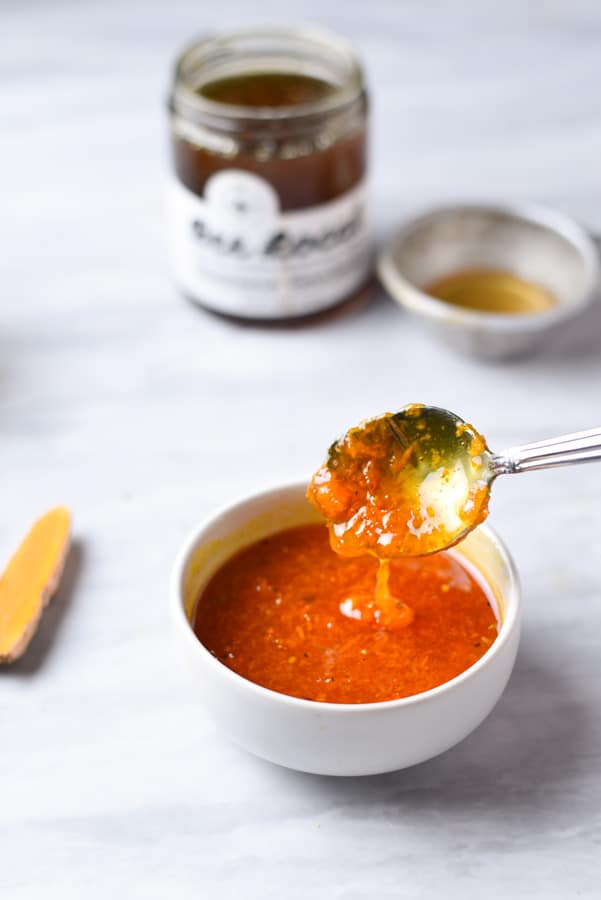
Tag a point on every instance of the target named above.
point(580, 447)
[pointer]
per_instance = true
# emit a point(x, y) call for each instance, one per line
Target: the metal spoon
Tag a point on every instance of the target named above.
point(440, 437)
point(566, 450)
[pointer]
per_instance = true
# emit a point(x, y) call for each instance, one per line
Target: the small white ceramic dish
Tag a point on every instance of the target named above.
point(330, 738)
point(537, 244)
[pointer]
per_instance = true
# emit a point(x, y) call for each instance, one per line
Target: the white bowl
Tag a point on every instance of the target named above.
point(537, 244)
point(334, 738)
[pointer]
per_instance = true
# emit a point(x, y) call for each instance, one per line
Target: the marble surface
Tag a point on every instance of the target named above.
point(143, 414)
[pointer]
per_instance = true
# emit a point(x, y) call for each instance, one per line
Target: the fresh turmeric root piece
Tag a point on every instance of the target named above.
point(30, 580)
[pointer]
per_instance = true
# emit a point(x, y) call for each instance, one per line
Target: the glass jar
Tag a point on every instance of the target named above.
point(267, 206)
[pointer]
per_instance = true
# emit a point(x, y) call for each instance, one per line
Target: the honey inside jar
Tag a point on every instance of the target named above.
point(303, 175)
point(267, 207)
point(492, 291)
point(267, 89)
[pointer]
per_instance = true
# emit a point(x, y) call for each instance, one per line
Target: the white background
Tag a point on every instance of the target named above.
point(143, 414)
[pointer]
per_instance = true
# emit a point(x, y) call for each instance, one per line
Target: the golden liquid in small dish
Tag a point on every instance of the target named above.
point(492, 291)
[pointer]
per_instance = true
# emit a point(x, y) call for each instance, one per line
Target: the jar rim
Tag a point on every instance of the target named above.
point(186, 100)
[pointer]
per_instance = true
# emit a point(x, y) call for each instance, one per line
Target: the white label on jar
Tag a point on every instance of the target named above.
point(235, 251)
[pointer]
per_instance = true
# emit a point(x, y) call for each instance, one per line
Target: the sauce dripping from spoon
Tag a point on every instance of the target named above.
point(409, 483)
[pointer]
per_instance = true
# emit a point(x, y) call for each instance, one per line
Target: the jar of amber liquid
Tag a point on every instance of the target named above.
point(267, 207)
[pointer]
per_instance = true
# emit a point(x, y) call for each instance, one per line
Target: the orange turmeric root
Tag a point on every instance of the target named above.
point(30, 580)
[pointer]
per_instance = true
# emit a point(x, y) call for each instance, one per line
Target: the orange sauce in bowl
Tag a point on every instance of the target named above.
point(292, 615)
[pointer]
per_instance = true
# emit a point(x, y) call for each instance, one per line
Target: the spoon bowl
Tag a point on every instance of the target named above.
point(404, 484)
